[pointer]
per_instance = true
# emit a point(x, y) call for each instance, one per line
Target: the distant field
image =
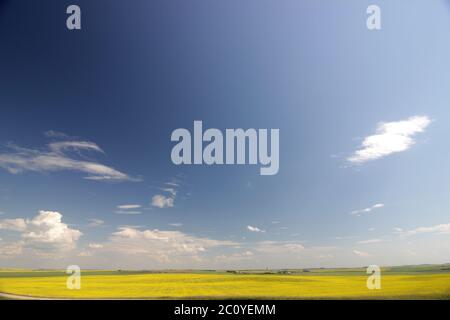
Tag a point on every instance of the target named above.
point(411, 282)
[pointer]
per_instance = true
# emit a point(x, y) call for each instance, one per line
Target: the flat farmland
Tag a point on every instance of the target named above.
point(416, 282)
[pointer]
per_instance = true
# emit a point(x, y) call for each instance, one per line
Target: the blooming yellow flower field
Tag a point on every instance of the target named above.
point(110, 285)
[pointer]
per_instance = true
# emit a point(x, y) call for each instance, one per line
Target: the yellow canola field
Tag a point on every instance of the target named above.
point(204, 286)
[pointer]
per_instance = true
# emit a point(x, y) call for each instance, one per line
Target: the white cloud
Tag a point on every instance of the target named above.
point(161, 246)
point(254, 229)
point(95, 245)
point(129, 206)
point(12, 249)
point(45, 233)
point(344, 237)
point(129, 212)
point(325, 256)
point(60, 147)
point(85, 253)
point(279, 247)
point(229, 258)
point(167, 201)
point(173, 184)
point(277, 255)
point(176, 224)
point(128, 209)
point(13, 224)
point(55, 134)
point(93, 223)
point(367, 210)
point(370, 241)
point(47, 228)
point(437, 229)
point(162, 201)
point(172, 191)
point(390, 137)
point(361, 253)
point(17, 160)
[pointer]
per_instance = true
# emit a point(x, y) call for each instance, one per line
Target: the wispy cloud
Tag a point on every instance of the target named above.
point(128, 206)
point(367, 210)
point(85, 253)
point(130, 209)
point(167, 201)
point(172, 191)
point(267, 252)
point(279, 247)
point(55, 134)
point(238, 256)
point(361, 253)
point(93, 249)
point(370, 241)
point(176, 224)
point(95, 245)
point(344, 237)
point(173, 184)
point(390, 137)
point(437, 229)
point(60, 147)
point(129, 212)
point(16, 160)
point(254, 229)
point(93, 223)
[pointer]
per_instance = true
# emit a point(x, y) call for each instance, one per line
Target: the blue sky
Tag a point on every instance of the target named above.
point(87, 117)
